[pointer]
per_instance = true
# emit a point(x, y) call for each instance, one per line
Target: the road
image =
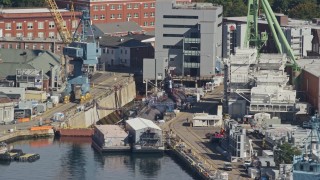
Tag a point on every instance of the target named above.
point(194, 137)
point(103, 80)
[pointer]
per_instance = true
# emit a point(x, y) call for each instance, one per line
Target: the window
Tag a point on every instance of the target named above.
point(178, 26)
point(152, 5)
point(145, 15)
point(95, 8)
point(107, 51)
point(121, 51)
point(145, 23)
point(58, 48)
point(19, 26)
point(119, 16)
point(102, 17)
point(41, 46)
point(26, 46)
point(112, 16)
point(64, 23)
point(95, 17)
point(171, 47)
point(18, 46)
point(40, 25)
point(112, 7)
point(51, 25)
point(9, 46)
point(146, 5)
point(152, 14)
point(136, 15)
point(29, 34)
point(119, 6)
point(19, 35)
point(40, 34)
point(180, 17)
point(103, 51)
point(7, 35)
point(136, 6)
point(129, 15)
point(2, 46)
point(8, 26)
point(152, 23)
point(51, 35)
point(125, 51)
point(30, 25)
point(74, 23)
point(103, 7)
point(172, 35)
point(34, 46)
point(129, 6)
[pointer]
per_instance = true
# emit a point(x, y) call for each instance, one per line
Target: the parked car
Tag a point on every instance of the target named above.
point(227, 166)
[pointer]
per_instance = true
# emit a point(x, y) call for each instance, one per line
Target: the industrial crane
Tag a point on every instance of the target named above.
point(82, 48)
point(253, 38)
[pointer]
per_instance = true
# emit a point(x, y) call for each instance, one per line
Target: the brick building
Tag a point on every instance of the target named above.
point(109, 11)
point(33, 29)
point(34, 23)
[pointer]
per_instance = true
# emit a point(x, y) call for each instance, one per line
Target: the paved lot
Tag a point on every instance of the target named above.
point(103, 81)
point(195, 136)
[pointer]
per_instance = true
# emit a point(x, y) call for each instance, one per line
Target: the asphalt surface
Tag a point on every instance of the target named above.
point(195, 138)
point(103, 81)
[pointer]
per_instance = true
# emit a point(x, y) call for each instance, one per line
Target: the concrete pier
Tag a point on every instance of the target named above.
point(25, 134)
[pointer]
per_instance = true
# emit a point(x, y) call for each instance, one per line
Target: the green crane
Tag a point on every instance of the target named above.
point(253, 39)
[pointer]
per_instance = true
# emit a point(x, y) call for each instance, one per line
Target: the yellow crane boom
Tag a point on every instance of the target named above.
point(62, 29)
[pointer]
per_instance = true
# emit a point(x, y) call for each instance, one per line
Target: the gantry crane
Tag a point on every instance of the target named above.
point(82, 48)
point(253, 38)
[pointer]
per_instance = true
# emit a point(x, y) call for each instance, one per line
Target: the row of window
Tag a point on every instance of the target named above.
point(111, 51)
point(119, 16)
point(119, 7)
point(30, 35)
point(27, 46)
point(30, 25)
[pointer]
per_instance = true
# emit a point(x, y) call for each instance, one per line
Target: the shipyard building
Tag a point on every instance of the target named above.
point(188, 40)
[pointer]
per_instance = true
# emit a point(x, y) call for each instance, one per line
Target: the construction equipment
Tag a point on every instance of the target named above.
point(253, 38)
point(60, 23)
point(85, 52)
point(82, 48)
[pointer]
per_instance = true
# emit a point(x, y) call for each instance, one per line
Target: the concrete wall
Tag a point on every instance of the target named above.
point(6, 112)
point(85, 119)
point(310, 85)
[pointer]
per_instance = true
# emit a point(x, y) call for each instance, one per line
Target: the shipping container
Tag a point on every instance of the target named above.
point(22, 120)
point(40, 96)
point(39, 128)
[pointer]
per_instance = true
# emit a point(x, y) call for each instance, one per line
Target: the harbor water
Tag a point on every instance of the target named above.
point(75, 159)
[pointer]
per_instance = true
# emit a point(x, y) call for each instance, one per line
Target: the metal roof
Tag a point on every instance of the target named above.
point(141, 123)
point(112, 131)
point(119, 27)
point(12, 59)
point(29, 10)
point(125, 41)
point(311, 66)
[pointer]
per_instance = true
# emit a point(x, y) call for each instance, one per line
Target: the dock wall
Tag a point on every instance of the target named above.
point(122, 95)
point(25, 133)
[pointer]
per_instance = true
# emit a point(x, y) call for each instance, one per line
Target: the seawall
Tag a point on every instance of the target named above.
point(118, 96)
point(20, 134)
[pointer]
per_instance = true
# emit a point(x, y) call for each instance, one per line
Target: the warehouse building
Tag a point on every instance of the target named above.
point(144, 135)
point(108, 138)
point(6, 109)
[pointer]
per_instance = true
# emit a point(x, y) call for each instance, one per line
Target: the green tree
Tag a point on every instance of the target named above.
point(286, 153)
point(6, 3)
point(306, 11)
point(231, 7)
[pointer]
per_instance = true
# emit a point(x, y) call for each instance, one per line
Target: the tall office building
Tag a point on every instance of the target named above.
point(188, 38)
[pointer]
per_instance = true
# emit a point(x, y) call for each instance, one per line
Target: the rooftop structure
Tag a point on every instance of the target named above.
point(110, 138)
point(140, 123)
point(117, 29)
point(260, 82)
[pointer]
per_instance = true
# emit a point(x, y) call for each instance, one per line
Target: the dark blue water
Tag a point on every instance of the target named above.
point(76, 160)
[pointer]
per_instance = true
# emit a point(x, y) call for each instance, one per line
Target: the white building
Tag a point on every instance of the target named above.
point(144, 132)
point(110, 138)
point(204, 119)
point(6, 110)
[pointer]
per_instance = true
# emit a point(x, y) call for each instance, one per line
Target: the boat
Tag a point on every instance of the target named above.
point(3, 148)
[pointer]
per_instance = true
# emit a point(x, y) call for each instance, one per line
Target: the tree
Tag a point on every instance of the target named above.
point(306, 11)
point(6, 3)
point(231, 7)
point(286, 153)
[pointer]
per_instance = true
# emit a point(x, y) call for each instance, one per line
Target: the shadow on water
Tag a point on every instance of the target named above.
point(74, 161)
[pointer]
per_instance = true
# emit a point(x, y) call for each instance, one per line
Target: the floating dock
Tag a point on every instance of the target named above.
point(83, 132)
